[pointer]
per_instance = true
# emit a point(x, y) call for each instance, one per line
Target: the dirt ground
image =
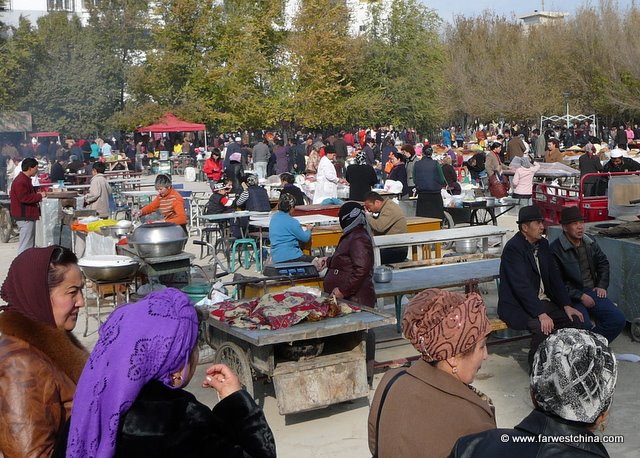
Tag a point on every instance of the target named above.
point(341, 430)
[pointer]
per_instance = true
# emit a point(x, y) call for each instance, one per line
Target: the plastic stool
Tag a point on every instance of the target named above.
point(245, 243)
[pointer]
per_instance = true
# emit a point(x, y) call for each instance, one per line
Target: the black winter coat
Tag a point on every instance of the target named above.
point(520, 281)
point(360, 178)
point(491, 444)
point(165, 422)
point(295, 191)
point(350, 269)
point(566, 255)
point(399, 173)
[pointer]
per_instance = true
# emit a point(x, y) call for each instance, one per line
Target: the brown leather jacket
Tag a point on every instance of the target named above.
point(351, 268)
point(39, 369)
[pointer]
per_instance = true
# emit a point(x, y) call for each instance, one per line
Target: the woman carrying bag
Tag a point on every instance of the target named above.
point(498, 184)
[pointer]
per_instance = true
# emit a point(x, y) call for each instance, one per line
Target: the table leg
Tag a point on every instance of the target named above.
point(398, 303)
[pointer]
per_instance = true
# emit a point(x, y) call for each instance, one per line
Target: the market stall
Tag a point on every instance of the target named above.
point(312, 348)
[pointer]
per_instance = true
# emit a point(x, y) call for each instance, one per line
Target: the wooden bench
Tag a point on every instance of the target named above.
point(427, 239)
point(410, 281)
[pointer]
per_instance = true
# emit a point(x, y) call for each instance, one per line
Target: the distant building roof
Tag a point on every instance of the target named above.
point(542, 16)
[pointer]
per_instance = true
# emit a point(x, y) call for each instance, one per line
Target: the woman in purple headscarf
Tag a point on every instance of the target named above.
point(130, 399)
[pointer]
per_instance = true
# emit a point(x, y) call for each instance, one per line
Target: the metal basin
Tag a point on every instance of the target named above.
point(382, 274)
point(468, 246)
point(114, 231)
point(108, 267)
point(156, 240)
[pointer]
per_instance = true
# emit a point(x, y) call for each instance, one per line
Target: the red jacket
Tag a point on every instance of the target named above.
point(24, 199)
point(214, 170)
point(351, 268)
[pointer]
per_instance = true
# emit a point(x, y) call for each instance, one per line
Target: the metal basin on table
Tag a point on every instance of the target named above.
point(111, 268)
point(156, 240)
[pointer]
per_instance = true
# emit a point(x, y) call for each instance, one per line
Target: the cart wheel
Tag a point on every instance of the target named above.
point(447, 223)
point(6, 225)
point(482, 216)
point(233, 356)
point(635, 330)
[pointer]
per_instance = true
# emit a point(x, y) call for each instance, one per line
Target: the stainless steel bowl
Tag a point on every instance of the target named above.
point(468, 246)
point(114, 231)
point(382, 274)
point(108, 267)
point(155, 240)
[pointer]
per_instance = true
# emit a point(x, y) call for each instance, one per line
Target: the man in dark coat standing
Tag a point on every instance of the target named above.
point(25, 204)
point(531, 294)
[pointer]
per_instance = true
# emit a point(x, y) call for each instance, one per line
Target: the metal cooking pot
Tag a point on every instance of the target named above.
point(108, 267)
point(155, 240)
point(468, 246)
point(382, 274)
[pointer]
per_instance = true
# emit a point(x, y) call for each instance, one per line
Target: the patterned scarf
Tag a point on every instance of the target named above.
point(351, 216)
point(361, 158)
point(143, 341)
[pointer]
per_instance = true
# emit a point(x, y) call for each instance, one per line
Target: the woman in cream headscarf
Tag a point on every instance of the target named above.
point(428, 406)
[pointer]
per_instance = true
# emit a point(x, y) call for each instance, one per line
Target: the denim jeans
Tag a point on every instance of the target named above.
point(610, 321)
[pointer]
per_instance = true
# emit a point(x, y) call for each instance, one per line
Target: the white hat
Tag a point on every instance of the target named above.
point(238, 139)
point(616, 153)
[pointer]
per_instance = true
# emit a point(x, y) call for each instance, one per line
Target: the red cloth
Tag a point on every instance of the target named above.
point(25, 290)
point(275, 311)
point(24, 199)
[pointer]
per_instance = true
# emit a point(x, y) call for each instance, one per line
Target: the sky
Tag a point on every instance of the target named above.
point(447, 9)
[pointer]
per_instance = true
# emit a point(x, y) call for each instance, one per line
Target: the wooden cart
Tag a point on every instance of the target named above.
point(337, 374)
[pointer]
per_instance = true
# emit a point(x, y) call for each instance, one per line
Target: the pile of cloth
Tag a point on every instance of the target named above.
point(279, 310)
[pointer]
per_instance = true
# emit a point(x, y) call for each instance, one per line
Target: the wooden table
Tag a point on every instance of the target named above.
point(113, 164)
point(409, 281)
point(316, 209)
point(427, 239)
point(329, 236)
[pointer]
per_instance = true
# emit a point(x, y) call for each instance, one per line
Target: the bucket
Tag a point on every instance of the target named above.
point(196, 291)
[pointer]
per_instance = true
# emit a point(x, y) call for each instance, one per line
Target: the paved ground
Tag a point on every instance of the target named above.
point(341, 430)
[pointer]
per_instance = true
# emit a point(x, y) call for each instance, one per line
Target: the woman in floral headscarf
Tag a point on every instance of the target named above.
point(431, 404)
point(130, 399)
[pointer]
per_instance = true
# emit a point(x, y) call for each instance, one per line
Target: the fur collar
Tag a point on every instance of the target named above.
point(62, 347)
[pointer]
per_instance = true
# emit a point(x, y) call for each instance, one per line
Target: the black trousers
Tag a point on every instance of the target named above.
point(560, 321)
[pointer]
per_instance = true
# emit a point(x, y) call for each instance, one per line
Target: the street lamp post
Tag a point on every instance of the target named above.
point(566, 96)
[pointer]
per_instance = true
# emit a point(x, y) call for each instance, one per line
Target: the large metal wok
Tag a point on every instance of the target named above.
point(156, 240)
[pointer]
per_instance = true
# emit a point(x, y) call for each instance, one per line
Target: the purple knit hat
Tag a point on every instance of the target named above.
point(143, 341)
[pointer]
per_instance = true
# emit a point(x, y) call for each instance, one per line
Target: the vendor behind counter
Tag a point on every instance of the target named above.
point(169, 202)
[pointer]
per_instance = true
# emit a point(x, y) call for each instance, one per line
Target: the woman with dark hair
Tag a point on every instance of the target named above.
point(131, 401)
point(214, 167)
point(399, 171)
point(450, 176)
point(410, 155)
point(287, 180)
point(40, 359)
point(169, 202)
point(350, 269)
point(286, 233)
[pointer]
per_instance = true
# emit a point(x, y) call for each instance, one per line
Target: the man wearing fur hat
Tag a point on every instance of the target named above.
point(531, 294)
point(585, 271)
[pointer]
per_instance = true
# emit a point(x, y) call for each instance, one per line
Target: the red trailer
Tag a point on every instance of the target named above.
point(551, 199)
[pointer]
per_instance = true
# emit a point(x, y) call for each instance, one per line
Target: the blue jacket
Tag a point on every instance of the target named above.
point(285, 232)
point(520, 282)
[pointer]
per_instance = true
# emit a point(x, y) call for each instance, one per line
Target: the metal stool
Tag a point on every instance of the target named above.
point(102, 288)
point(246, 262)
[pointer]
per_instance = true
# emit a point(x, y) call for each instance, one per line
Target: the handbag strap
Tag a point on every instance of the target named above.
point(382, 399)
